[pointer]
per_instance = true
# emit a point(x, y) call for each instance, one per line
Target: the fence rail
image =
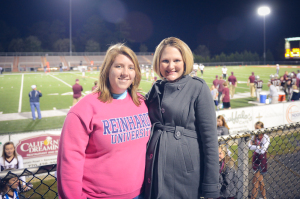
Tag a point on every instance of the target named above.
point(244, 174)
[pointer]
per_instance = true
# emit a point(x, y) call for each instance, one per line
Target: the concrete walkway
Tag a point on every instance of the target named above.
point(27, 115)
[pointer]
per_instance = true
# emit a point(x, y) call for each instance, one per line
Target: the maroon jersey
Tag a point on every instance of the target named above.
point(285, 77)
point(77, 91)
point(252, 78)
point(220, 83)
point(258, 84)
point(215, 82)
point(232, 79)
point(226, 95)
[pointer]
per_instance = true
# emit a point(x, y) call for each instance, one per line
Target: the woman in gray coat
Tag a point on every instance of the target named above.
point(182, 155)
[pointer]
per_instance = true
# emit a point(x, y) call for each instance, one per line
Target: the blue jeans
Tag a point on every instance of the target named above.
point(33, 106)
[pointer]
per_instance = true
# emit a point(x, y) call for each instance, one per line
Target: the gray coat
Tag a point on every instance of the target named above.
point(182, 156)
point(228, 180)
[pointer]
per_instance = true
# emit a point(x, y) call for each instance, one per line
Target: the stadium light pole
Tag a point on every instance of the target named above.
point(70, 27)
point(263, 11)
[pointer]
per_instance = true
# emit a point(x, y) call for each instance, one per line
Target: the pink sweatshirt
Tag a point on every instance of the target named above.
point(102, 149)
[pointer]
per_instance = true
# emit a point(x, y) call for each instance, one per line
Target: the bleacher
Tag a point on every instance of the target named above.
point(37, 63)
point(54, 61)
point(6, 63)
point(30, 63)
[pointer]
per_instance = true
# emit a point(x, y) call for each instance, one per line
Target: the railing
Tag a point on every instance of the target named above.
point(238, 176)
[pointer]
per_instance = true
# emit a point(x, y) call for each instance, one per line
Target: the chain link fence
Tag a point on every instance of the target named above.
point(254, 164)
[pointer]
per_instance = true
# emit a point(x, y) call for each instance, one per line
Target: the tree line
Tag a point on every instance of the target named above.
point(202, 55)
point(43, 36)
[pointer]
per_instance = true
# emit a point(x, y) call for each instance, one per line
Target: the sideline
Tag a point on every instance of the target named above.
point(21, 93)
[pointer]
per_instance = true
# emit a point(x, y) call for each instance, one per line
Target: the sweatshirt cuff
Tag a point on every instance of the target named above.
point(211, 190)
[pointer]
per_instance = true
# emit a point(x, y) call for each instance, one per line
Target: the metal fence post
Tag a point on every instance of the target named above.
point(243, 171)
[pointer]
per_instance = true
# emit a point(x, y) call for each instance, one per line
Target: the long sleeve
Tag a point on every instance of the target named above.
point(207, 129)
point(71, 155)
point(264, 147)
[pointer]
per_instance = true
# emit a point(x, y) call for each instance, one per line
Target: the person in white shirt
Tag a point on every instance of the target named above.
point(201, 67)
point(147, 73)
point(259, 144)
point(224, 71)
point(277, 69)
point(194, 71)
point(273, 93)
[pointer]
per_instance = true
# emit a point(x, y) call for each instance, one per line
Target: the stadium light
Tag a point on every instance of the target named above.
point(70, 27)
point(263, 11)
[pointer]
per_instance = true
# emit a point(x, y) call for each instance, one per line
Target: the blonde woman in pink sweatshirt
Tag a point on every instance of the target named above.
point(103, 141)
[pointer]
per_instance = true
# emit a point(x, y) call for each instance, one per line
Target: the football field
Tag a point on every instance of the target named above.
point(57, 93)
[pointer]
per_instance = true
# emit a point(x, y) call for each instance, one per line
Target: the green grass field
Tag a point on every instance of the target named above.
point(57, 92)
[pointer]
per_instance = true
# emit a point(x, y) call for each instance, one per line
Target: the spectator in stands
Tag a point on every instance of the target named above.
point(215, 82)
point(95, 85)
point(220, 88)
point(77, 88)
point(182, 113)
point(232, 84)
point(259, 144)
point(226, 96)
point(34, 99)
point(296, 94)
point(106, 132)
point(227, 178)
point(251, 80)
point(214, 94)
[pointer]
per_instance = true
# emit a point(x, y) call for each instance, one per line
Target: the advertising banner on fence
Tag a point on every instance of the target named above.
point(270, 115)
point(38, 148)
point(238, 119)
point(291, 112)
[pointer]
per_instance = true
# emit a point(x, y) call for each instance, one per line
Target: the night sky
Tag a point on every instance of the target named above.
point(223, 26)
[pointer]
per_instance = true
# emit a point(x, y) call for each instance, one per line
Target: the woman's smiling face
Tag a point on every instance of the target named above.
point(171, 64)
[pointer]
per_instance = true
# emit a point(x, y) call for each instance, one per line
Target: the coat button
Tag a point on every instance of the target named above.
point(179, 87)
point(151, 156)
point(178, 133)
point(149, 181)
point(163, 110)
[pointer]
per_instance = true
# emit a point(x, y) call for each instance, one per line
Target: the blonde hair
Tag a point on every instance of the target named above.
point(104, 85)
point(223, 120)
point(227, 159)
point(184, 50)
point(294, 87)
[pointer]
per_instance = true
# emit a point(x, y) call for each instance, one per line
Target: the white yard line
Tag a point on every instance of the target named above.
point(63, 82)
point(21, 93)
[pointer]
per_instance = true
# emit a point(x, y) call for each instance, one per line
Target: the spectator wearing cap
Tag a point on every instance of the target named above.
point(251, 80)
point(273, 93)
point(96, 86)
point(232, 84)
point(77, 88)
point(34, 98)
point(215, 82)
